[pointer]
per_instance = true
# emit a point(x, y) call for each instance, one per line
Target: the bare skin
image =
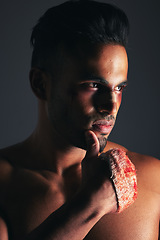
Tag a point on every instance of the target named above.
point(52, 189)
point(34, 195)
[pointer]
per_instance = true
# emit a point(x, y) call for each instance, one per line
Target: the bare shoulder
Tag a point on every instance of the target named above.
point(6, 164)
point(6, 169)
point(146, 164)
point(3, 230)
point(148, 170)
point(147, 167)
point(12, 173)
point(141, 160)
point(114, 145)
point(11, 153)
point(144, 160)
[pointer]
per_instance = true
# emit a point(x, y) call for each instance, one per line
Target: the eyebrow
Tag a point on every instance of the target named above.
point(103, 80)
point(123, 83)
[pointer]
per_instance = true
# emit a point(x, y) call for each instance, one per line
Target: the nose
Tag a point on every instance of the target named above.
point(106, 102)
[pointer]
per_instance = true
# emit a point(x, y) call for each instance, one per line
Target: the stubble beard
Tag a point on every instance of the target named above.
point(102, 143)
point(76, 134)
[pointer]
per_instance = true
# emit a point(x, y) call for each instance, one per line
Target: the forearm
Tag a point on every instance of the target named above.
point(72, 221)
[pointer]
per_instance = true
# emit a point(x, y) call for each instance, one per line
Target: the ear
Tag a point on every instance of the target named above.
point(38, 82)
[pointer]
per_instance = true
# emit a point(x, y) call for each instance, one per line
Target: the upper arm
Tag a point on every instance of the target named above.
point(3, 230)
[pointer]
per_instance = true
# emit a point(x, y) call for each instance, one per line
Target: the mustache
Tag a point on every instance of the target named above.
point(110, 117)
point(104, 117)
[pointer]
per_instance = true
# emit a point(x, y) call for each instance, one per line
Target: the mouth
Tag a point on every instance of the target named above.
point(103, 126)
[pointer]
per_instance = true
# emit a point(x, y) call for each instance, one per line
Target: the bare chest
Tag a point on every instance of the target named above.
point(31, 199)
point(140, 221)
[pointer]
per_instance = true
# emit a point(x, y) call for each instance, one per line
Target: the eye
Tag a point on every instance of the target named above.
point(120, 88)
point(89, 85)
point(92, 85)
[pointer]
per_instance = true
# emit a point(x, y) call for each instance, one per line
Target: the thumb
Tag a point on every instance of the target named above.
point(92, 144)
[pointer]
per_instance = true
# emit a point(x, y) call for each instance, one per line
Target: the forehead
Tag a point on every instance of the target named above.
point(108, 62)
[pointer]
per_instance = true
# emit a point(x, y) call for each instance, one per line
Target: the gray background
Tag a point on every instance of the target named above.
point(138, 121)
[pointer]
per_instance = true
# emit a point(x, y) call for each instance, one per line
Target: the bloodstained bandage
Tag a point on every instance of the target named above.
point(123, 176)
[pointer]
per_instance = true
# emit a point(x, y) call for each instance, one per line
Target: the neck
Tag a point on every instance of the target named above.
point(51, 151)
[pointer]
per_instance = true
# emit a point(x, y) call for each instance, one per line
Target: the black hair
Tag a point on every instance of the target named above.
point(74, 22)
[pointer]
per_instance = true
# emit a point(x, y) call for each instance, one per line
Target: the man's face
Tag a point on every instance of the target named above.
point(86, 94)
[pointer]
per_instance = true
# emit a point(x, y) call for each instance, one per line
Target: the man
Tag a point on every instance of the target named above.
point(54, 185)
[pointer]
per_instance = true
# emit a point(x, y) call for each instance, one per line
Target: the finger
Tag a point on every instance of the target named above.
point(92, 144)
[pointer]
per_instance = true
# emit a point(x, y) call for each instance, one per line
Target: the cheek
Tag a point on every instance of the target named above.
point(85, 99)
point(119, 99)
point(85, 95)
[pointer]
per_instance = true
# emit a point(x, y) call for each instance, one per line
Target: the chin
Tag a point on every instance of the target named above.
point(102, 143)
point(80, 141)
point(102, 138)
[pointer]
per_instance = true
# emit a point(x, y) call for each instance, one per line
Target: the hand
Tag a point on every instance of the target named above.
point(96, 177)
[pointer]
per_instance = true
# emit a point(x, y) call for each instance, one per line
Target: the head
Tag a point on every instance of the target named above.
point(79, 46)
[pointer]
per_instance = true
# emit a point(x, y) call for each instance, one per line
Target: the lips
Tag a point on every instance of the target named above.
point(103, 126)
